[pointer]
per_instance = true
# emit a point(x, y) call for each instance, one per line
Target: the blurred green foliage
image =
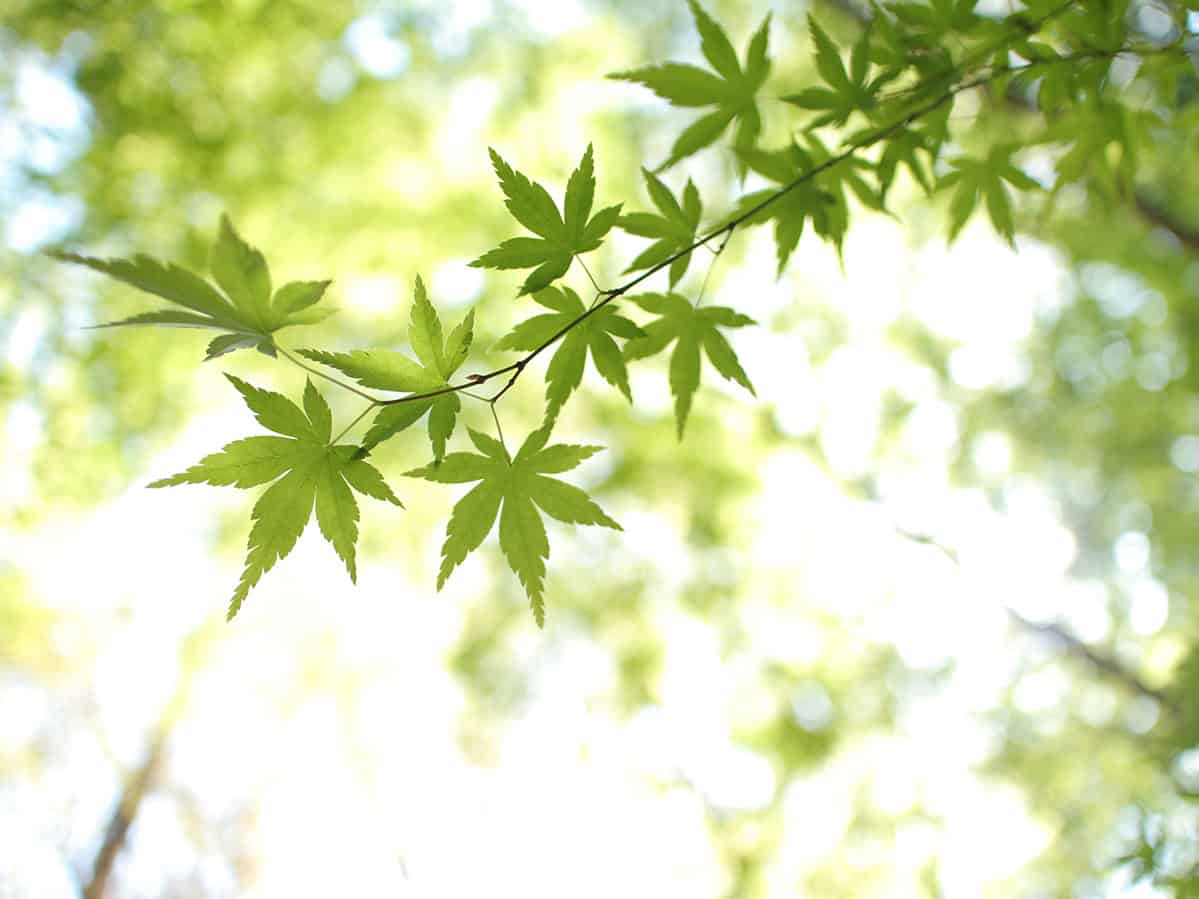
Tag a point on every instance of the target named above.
point(351, 142)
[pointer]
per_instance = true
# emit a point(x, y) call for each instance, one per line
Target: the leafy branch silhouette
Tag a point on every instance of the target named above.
point(306, 464)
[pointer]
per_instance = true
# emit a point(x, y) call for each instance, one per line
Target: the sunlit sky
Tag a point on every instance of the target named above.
point(328, 716)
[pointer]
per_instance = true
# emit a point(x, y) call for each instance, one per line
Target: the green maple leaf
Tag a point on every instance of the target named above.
point(593, 334)
point(672, 230)
point(521, 487)
point(692, 331)
point(844, 92)
point(730, 88)
point(1104, 141)
point(244, 307)
point(560, 236)
point(303, 469)
point(938, 18)
point(903, 147)
point(972, 178)
point(439, 357)
point(819, 199)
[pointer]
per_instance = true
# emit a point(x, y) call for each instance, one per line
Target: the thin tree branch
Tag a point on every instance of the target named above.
point(122, 818)
point(361, 415)
point(1156, 215)
point(964, 83)
point(136, 786)
point(1150, 211)
point(1105, 664)
point(728, 227)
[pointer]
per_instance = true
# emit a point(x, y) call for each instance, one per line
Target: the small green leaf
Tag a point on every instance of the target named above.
point(228, 343)
point(732, 89)
point(246, 314)
point(297, 296)
point(690, 330)
point(242, 273)
point(514, 490)
point(380, 369)
point(817, 193)
point(674, 228)
point(391, 420)
point(701, 133)
point(526, 547)
point(565, 371)
point(828, 59)
point(714, 43)
point(318, 413)
point(580, 193)
point(987, 178)
point(170, 282)
point(442, 416)
point(383, 369)
point(843, 93)
point(457, 345)
point(243, 463)
point(305, 471)
point(279, 517)
point(559, 239)
point(424, 332)
point(274, 411)
point(337, 512)
point(680, 84)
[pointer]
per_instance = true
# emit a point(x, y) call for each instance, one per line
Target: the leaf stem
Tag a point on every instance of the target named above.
point(361, 415)
point(699, 297)
point(320, 374)
point(599, 290)
point(498, 429)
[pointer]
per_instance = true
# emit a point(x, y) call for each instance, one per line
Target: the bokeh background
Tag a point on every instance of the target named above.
point(916, 621)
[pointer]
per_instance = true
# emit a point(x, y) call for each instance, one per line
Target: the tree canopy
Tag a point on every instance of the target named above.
point(922, 545)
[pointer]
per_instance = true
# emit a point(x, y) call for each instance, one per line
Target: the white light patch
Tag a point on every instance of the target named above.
point(992, 453)
point(378, 52)
point(757, 277)
point(335, 79)
point(40, 220)
point(23, 429)
point(850, 391)
point(1186, 769)
point(26, 708)
point(554, 19)
point(1084, 606)
point(990, 835)
point(730, 777)
point(454, 283)
point(162, 848)
point(373, 294)
point(1150, 607)
point(996, 312)
point(875, 274)
point(1132, 551)
point(464, 124)
point(31, 864)
point(455, 22)
point(930, 431)
point(48, 99)
point(1184, 453)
